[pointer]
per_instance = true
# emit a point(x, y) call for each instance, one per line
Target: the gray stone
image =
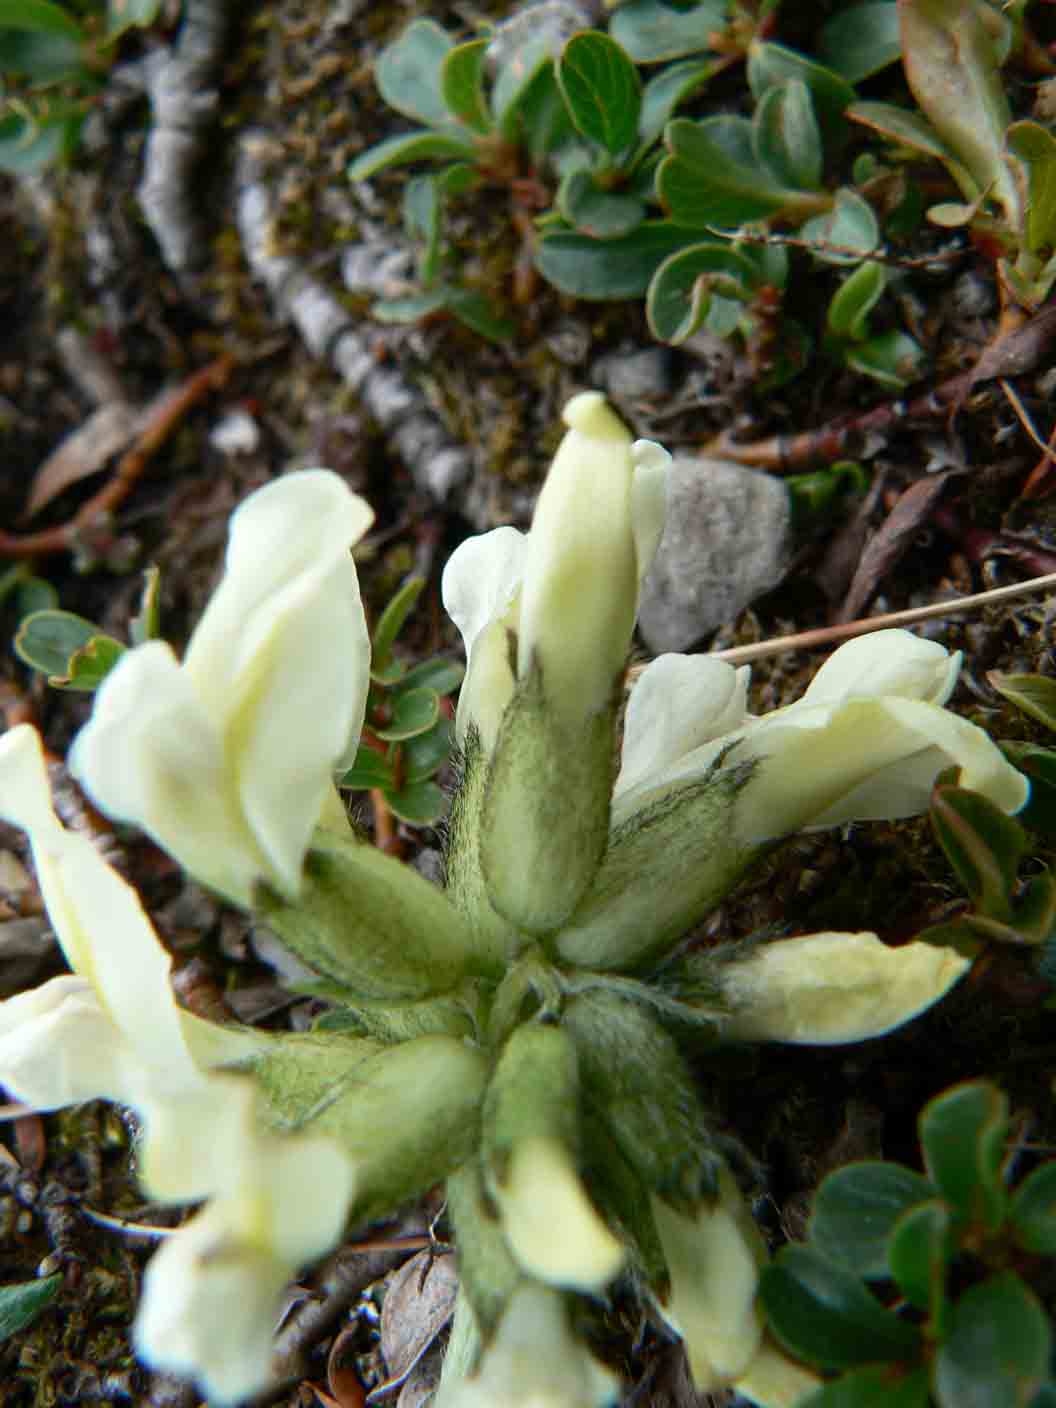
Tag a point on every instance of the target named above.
point(643, 375)
point(727, 541)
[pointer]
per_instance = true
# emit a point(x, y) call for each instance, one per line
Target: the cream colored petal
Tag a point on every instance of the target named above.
point(714, 1263)
point(773, 1380)
point(649, 489)
point(59, 1047)
point(580, 592)
point(151, 755)
point(824, 989)
point(889, 662)
point(534, 1361)
point(481, 579)
point(863, 760)
point(549, 1223)
point(678, 703)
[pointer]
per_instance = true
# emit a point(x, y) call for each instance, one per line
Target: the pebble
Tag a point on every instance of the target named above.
point(645, 375)
point(728, 540)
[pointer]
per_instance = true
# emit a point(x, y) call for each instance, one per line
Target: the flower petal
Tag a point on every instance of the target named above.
point(678, 703)
point(649, 492)
point(891, 662)
point(824, 989)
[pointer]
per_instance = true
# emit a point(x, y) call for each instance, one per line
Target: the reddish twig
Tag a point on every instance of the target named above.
point(167, 416)
point(1010, 354)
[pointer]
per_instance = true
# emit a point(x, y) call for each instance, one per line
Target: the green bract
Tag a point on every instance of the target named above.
point(524, 1033)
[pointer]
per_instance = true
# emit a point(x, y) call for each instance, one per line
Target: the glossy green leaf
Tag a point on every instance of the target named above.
point(407, 148)
point(418, 804)
point(601, 89)
point(681, 289)
point(369, 769)
point(1032, 1211)
point(952, 70)
point(462, 85)
point(874, 1386)
point(921, 1246)
point(998, 1348)
point(29, 145)
point(855, 299)
point(1034, 694)
point(442, 675)
point(855, 1209)
point(712, 176)
point(1039, 765)
point(650, 31)
point(475, 310)
point(33, 594)
point(665, 92)
point(20, 1304)
point(787, 137)
point(71, 651)
point(850, 226)
point(413, 712)
point(425, 754)
point(392, 621)
point(892, 358)
point(595, 212)
point(983, 845)
point(962, 1136)
point(39, 15)
point(408, 73)
point(1034, 149)
point(822, 1313)
point(515, 80)
point(861, 40)
point(772, 64)
point(607, 269)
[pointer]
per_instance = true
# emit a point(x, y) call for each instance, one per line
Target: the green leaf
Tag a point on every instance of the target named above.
point(515, 81)
point(410, 146)
point(391, 624)
point(408, 73)
point(424, 755)
point(418, 804)
point(1032, 1211)
point(998, 1347)
point(423, 206)
point(771, 64)
point(849, 225)
point(71, 651)
point(28, 144)
point(413, 711)
point(122, 15)
point(442, 675)
point(535, 117)
point(922, 1244)
point(1034, 694)
point(601, 89)
point(903, 126)
point(39, 15)
point(650, 31)
point(20, 1304)
point(369, 769)
point(962, 1135)
point(409, 309)
point(146, 623)
point(1039, 764)
point(664, 93)
point(681, 289)
point(953, 72)
point(891, 358)
point(786, 135)
point(823, 1314)
point(475, 310)
point(861, 40)
point(462, 85)
point(43, 58)
point(712, 177)
point(855, 1209)
point(983, 845)
point(854, 300)
point(34, 594)
point(598, 213)
point(607, 269)
point(875, 1386)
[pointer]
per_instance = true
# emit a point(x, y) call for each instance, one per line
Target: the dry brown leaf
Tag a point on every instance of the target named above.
point(891, 541)
point(84, 452)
